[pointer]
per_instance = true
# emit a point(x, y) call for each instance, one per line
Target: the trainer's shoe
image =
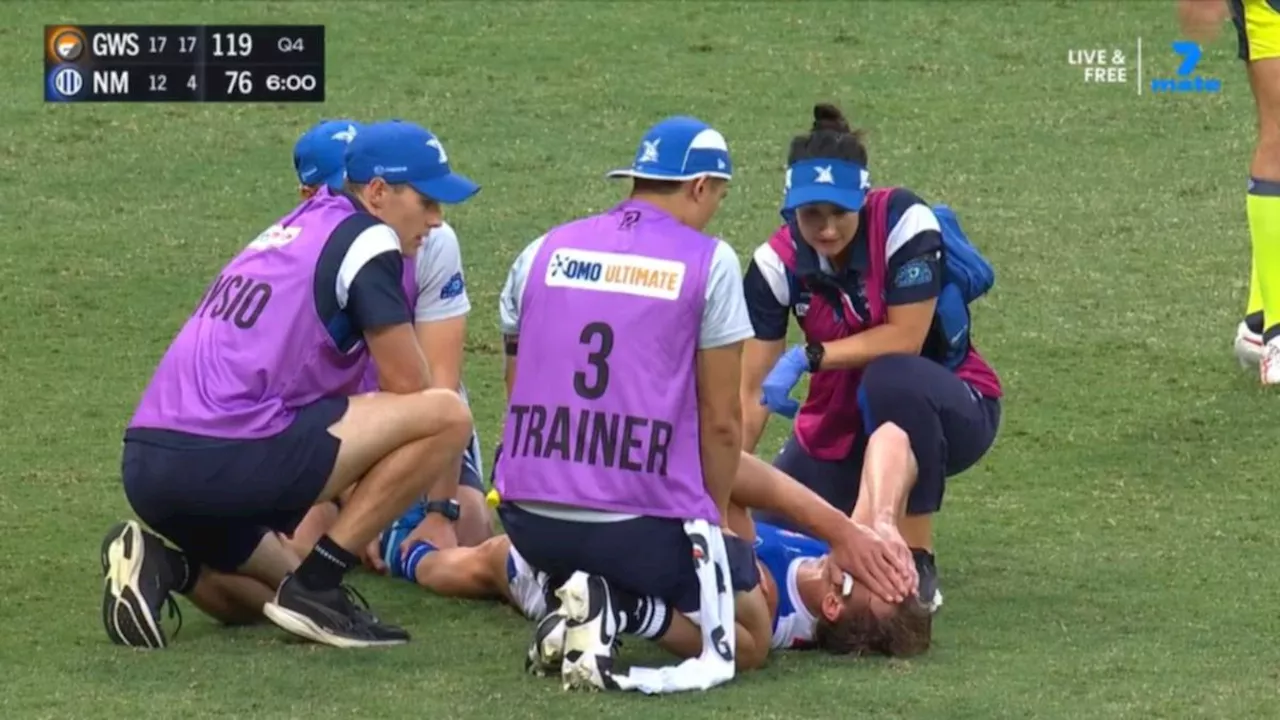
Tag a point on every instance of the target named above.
point(339, 617)
point(1248, 345)
point(929, 592)
point(135, 585)
point(1269, 368)
point(591, 633)
point(546, 652)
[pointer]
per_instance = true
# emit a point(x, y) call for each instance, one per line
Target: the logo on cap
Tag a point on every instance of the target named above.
point(649, 152)
point(435, 143)
point(825, 175)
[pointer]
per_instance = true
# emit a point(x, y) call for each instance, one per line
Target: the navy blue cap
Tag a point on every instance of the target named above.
point(401, 152)
point(826, 180)
point(680, 148)
point(317, 156)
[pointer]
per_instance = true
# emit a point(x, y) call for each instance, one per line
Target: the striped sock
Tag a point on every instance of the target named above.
point(409, 563)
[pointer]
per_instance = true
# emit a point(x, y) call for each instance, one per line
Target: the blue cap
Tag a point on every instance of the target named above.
point(401, 152)
point(317, 156)
point(826, 180)
point(680, 148)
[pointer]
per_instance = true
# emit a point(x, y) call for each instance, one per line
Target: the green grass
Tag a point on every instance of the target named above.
point(1112, 557)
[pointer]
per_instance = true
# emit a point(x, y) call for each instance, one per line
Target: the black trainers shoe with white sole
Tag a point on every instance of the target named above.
point(339, 617)
point(591, 633)
point(930, 593)
point(135, 585)
point(546, 652)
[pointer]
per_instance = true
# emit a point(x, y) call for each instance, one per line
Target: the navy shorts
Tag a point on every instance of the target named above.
point(951, 427)
point(216, 498)
point(646, 556)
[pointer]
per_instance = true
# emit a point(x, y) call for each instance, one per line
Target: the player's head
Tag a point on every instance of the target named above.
point(401, 173)
point(682, 165)
point(317, 156)
point(827, 182)
point(854, 621)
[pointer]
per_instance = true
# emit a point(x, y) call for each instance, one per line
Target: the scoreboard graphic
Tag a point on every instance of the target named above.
point(183, 63)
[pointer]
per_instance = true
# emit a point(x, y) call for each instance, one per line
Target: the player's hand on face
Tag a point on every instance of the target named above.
point(879, 559)
point(435, 529)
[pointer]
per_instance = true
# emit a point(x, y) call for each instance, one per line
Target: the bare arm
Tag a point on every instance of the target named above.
point(720, 420)
point(758, 358)
point(443, 343)
point(474, 572)
point(761, 486)
point(904, 331)
point(401, 365)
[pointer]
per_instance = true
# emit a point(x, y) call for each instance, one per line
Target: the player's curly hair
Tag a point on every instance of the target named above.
point(830, 137)
point(907, 632)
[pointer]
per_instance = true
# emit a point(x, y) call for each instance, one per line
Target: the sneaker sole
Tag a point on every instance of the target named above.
point(302, 626)
point(578, 670)
point(1248, 353)
point(125, 616)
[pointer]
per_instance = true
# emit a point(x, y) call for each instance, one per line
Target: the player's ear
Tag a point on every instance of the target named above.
point(832, 606)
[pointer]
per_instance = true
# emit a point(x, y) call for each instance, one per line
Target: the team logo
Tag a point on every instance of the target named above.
point(68, 45)
point(64, 83)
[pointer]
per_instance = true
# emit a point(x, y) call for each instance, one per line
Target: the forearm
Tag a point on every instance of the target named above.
point(721, 451)
point(882, 499)
point(859, 350)
point(754, 418)
point(761, 486)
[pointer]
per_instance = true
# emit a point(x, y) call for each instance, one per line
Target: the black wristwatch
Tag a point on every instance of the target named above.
point(814, 352)
point(450, 508)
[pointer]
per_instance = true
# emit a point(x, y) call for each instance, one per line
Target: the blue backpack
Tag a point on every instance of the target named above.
point(966, 276)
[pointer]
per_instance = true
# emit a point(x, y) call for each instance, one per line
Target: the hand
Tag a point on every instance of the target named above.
point(1201, 19)
point(877, 557)
point(372, 556)
point(435, 529)
point(782, 379)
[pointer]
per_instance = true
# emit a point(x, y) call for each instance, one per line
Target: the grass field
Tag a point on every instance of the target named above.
point(1114, 556)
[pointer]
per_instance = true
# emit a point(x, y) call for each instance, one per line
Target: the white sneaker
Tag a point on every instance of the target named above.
point(1270, 365)
point(1248, 346)
point(591, 633)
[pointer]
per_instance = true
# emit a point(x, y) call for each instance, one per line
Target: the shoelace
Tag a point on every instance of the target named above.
point(358, 604)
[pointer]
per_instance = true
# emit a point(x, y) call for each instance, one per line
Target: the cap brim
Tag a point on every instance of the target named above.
point(633, 173)
point(851, 200)
point(450, 189)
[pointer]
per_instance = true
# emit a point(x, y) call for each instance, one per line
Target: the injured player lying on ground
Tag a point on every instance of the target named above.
point(813, 604)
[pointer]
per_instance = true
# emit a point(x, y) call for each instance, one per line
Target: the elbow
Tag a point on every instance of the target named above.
point(723, 431)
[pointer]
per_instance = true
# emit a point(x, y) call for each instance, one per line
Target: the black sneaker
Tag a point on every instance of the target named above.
point(135, 585)
point(339, 617)
point(591, 633)
point(930, 593)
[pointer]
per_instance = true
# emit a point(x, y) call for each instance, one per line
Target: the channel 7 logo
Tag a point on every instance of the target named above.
point(1184, 81)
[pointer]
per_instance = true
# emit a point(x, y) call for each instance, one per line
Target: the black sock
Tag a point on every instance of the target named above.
point(646, 617)
point(1253, 321)
point(183, 573)
point(324, 567)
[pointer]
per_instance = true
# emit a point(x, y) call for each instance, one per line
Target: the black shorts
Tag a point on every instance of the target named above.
point(216, 498)
point(646, 556)
point(950, 426)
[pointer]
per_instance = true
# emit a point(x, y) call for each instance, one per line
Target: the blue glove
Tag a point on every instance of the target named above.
point(782, 379)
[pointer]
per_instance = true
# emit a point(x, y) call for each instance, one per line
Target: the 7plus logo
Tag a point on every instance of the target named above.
point(1185, 82)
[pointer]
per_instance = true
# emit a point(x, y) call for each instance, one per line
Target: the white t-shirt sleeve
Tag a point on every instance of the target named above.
point(442, 286)
point(372, 242)
point(513, 289)
point(724, 317)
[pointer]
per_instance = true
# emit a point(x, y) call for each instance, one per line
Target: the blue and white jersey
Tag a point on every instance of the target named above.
point(783, 552)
